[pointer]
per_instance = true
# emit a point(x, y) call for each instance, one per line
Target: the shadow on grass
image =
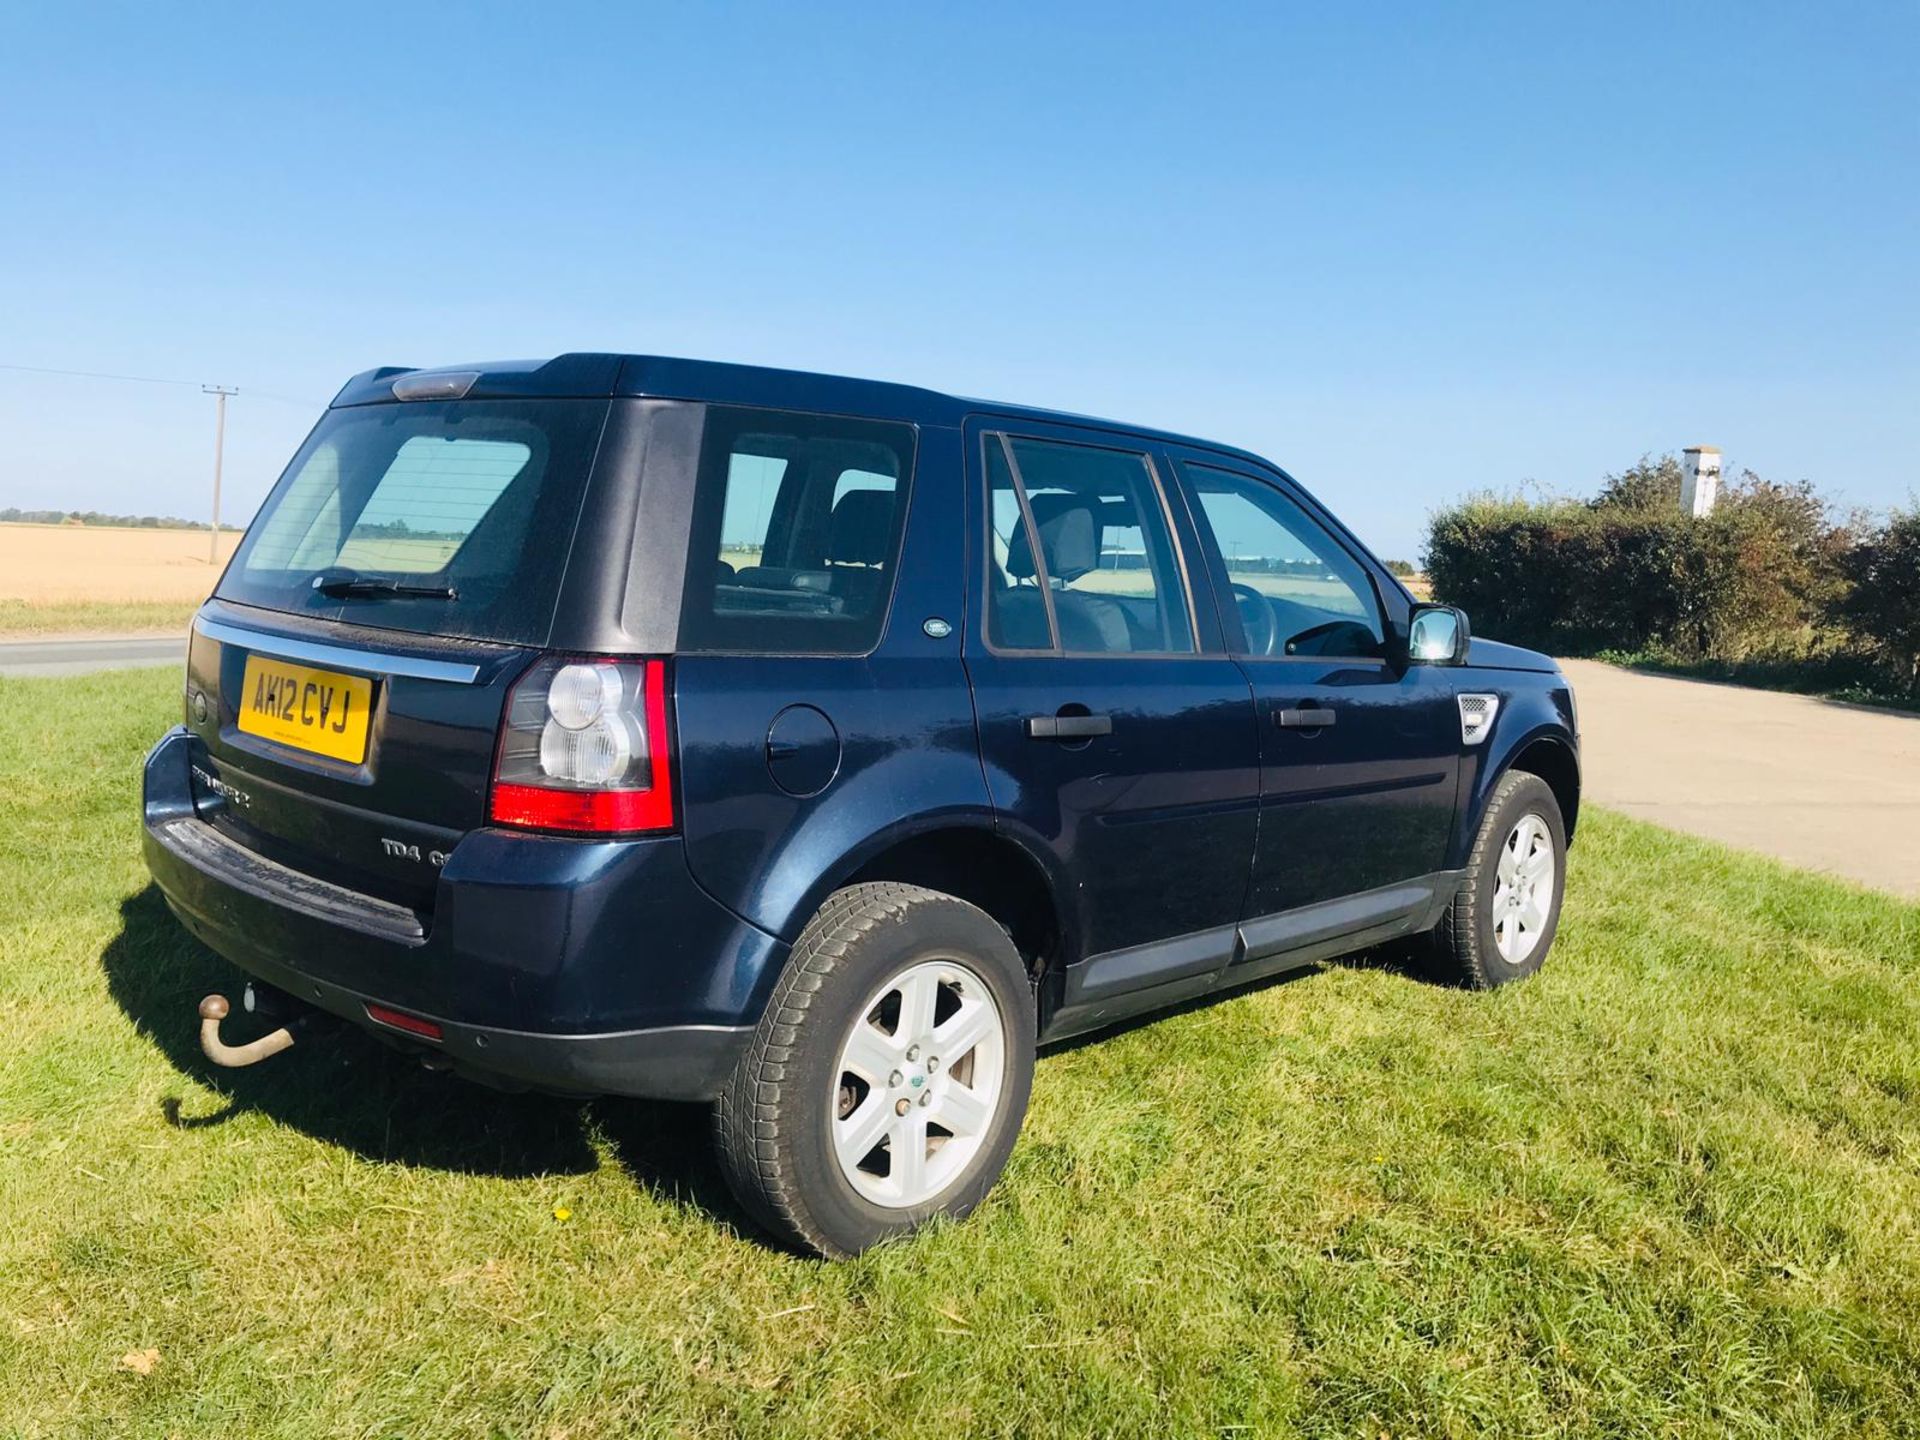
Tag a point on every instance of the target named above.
point(344, 1087)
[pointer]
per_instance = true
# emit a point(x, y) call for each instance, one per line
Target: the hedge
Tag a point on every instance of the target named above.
point(1766, 577)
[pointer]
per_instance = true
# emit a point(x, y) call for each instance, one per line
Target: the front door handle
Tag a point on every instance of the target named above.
point(1306, 717)
point(1068, 727)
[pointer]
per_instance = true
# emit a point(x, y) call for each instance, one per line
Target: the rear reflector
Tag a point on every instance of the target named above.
point(538, 808)
point(397, 1020)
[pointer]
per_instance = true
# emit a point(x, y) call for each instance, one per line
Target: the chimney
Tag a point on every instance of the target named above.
point(1700, 479)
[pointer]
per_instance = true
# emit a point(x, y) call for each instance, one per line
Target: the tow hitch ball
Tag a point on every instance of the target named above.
point(213, 1010)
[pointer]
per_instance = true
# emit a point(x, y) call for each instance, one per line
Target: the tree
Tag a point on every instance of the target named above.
point(1649, 485)
point(1884, 605)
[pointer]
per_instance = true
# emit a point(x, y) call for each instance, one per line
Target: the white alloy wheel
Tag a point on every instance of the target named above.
point(1523, 889)
point(918, 1084)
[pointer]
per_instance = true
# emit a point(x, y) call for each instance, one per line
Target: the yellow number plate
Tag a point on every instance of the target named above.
point(314, 710)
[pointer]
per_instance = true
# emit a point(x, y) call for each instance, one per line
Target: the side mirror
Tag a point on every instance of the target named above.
point(1438, 636)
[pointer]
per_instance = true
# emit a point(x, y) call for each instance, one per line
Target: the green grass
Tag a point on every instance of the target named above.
point(1849, 678)
point(23, 619)
point(1671, 1187)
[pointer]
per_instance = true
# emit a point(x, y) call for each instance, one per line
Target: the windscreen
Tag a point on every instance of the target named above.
point(450, 518)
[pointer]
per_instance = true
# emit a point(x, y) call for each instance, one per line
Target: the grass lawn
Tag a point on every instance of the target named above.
point(1671, 1187)
point(28, 619)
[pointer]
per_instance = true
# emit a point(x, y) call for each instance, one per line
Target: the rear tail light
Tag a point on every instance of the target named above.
point(584, 748)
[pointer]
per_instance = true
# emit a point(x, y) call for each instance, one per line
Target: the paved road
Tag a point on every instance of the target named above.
point(102, 652)
point(1829, 787)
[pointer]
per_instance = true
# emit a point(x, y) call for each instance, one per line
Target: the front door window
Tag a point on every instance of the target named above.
point(1296, 590)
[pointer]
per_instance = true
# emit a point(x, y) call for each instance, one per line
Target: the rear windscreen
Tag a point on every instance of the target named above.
point(471, 502)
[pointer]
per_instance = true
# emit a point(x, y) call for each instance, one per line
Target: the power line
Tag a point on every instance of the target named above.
point(97, 375)
point(221, 394)
point(155, 380)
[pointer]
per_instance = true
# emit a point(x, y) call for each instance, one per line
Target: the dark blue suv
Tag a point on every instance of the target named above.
point(818, 747)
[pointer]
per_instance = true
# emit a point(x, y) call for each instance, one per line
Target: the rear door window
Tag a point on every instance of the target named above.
point(796, 532)
point(1105, 577)
point(475, 497)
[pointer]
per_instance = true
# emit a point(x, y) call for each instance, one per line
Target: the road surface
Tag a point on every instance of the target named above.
point(1825, 786)
point(95, 652)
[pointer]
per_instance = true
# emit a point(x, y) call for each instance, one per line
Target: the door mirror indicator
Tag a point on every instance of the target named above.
point(1438, 636)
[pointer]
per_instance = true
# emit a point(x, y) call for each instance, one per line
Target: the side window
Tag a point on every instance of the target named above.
point(796, 532)
point(1297, 590)
point(1104, 577)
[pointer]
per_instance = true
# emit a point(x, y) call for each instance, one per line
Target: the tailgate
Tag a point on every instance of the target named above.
point(356, 755)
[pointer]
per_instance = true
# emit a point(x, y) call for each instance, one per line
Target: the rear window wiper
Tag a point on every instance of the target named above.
point(345, 584)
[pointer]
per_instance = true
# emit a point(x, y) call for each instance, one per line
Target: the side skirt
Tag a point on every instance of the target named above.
point(1120, 984)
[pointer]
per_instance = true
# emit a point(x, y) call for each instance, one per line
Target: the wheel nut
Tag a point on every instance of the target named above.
point(895, 1079)
point(926, 1098)
point(902, 1105)
point(913, 1052)
point(933, 1063)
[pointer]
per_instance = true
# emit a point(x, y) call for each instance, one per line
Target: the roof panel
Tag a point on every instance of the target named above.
point(716, 382)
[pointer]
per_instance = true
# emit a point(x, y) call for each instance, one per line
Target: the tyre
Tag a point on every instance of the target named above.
point(888, 1077)
point(1503, 918)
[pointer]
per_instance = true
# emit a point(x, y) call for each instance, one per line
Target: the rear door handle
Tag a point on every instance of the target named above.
point(1068, 727)
point(1306, 717)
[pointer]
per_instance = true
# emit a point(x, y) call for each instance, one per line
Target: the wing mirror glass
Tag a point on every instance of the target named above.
point(1438, 636)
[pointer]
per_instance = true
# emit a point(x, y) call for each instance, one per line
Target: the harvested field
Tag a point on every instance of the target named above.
point(64, 564)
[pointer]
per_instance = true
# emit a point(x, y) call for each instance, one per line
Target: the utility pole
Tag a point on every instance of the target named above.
point(220, 392)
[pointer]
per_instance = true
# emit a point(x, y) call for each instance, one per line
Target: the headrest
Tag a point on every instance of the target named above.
point(862, 526)
point(1069, 538)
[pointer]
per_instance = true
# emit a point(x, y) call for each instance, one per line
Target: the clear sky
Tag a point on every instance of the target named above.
point(1405, 251)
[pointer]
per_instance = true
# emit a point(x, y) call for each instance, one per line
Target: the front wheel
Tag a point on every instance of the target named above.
point(888, 1077)
point(1503, 917)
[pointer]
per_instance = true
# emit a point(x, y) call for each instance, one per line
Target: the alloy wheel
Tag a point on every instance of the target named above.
point(1523, 889)
point(918, 1084)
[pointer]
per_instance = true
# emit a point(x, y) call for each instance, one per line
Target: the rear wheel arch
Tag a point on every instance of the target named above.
point(983, 867)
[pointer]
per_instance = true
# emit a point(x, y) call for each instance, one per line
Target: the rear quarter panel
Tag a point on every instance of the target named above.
point(908, 756)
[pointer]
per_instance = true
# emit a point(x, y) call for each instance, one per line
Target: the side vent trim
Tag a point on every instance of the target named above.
point(1476, 717)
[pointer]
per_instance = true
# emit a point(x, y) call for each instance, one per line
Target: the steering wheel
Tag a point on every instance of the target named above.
point(1257, 618)
point(1336, 637)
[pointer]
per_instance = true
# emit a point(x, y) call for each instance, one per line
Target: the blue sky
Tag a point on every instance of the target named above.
point(1404, 251)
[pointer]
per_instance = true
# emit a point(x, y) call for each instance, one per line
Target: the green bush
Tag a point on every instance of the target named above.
point(1883, 606)
point(1760, 577)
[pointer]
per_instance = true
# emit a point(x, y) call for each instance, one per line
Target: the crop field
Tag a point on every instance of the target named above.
point(1671, 1187)
point(56, 578)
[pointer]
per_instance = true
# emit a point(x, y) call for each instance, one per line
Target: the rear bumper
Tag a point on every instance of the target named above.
point(582, 967)
point(668, 1062)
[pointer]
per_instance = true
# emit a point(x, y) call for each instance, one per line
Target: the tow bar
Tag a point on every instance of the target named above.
point(216, 1008)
